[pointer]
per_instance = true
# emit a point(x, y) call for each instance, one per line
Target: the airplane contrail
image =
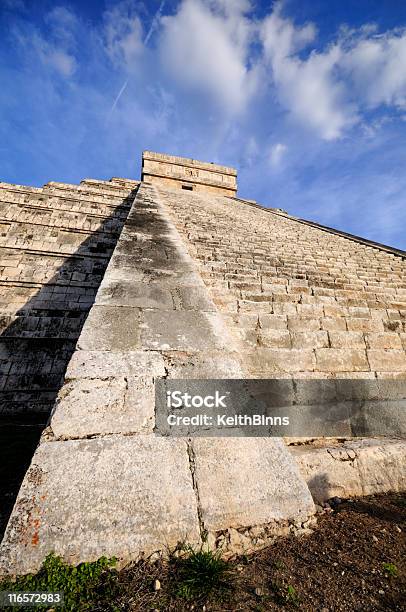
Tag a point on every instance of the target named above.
point(154, 22)
point(146, 40)
point(120, 93)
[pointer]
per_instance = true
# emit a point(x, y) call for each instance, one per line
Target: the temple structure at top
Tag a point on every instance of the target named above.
point(188, 174)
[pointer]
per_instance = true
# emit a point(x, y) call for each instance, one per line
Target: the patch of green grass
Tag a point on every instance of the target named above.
point(201, 573)
point(391, 569)
point(286, 594)
point(82, 585)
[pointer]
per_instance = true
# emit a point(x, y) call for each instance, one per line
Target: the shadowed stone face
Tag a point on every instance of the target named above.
point(55, 245)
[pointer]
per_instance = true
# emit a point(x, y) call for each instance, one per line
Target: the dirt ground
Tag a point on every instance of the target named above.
point(353, 561)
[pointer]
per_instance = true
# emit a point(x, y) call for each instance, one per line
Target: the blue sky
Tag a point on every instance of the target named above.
point(307, 98)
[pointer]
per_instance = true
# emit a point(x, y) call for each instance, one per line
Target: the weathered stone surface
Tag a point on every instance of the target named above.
point(123, 496)
point(111, 328)
point(55, 246)
point(182, 330)
point(141, 295)
point(245, 482)
point(353, 469)
point(212, 364)
point(198, 286)
point(341, 360)
point(290, 361)
point(102, 364)
point(185, 173)
point(89, 406)
point(387, 361)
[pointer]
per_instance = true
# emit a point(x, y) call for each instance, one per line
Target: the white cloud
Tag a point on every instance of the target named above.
point(329, 89)
point(123, 35)
point(49, 54)
point(56, 47)
point(205, 47)
point(61, 17)
point(276, 154)
point(58, 59)
point(377, 68)
point(308, 88)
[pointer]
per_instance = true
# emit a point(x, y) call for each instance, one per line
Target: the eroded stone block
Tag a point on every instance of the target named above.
point(102, 364)
point(111, 328)
point(247, 481)
point(114, 405)
point(124, 496)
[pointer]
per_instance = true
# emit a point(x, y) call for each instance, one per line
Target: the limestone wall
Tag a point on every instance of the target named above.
point(300, 301)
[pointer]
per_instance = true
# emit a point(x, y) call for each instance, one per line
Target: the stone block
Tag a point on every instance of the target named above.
point(230, 498)
point(387, 360)
point(212, 364)
point(309, 339)
point(310, 310)
point(274, 338)
point(182, 330)
point(357, 468)
point(346, 339)
point(301, 324)
point(333, 324)
point(192, 298)
point(104, 364)
point(257, 307)
point(341, 360)
point(113, 496)
point(365, 325)
point(383, 340)
point(86, 407)
point(114, 328)
point(271, 321)
point(131, 293)
point(290, 361)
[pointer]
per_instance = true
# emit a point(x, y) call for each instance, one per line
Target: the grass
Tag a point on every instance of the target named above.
point(200, 574)
point(286, 594)
point(82, 585)
point(197, 575)
point(391, 569)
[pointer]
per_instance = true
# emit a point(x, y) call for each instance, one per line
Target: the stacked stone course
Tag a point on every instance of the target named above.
point(301, 301)
point(55, 244)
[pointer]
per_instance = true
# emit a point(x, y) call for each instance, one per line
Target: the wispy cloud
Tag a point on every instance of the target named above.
point(276, 154)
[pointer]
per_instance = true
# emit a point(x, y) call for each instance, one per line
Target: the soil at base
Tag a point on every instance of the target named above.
point(339, 567)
